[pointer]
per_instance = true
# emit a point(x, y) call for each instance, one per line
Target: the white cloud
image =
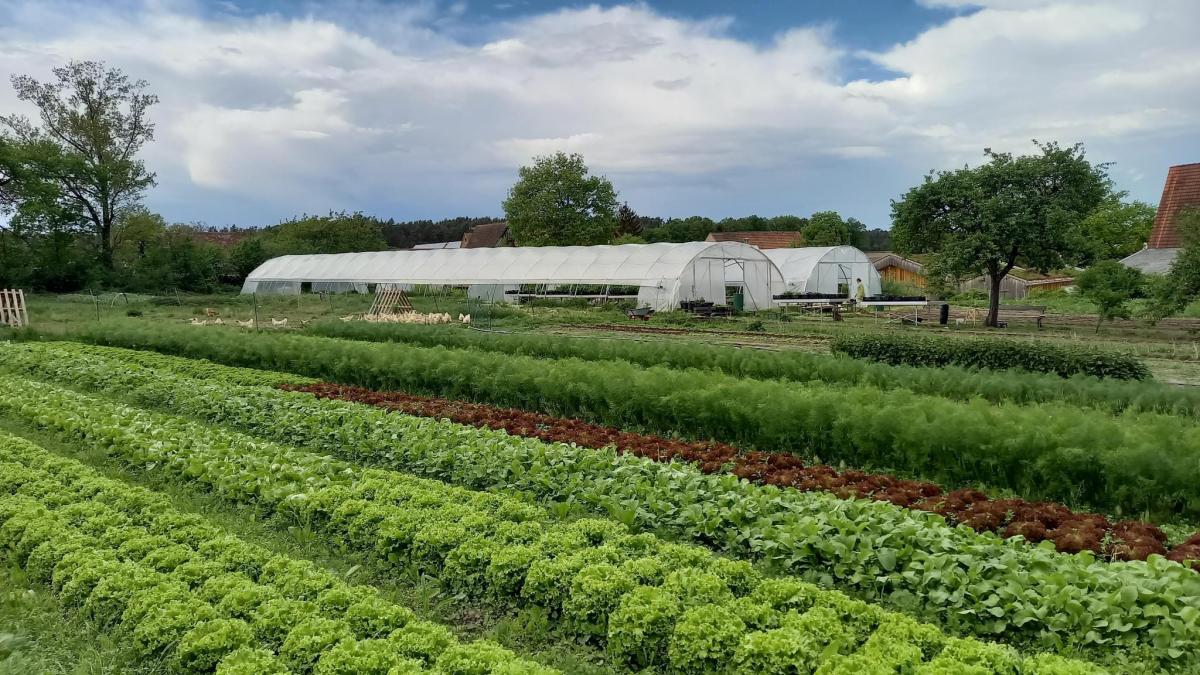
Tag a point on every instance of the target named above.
point(389, 107)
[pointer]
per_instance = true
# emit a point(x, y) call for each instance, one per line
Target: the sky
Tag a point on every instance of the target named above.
point(406, 110)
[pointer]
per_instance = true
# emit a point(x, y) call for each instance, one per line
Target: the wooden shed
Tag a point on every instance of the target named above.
point(897, 269)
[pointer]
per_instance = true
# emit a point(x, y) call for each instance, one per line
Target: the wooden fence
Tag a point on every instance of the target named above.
point(12, 308)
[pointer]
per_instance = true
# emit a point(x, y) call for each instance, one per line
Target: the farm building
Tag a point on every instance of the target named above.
point(897, 269)
point(1020, 283)
point(825, 269)
point(488, 235)
point(665, 274)
point(759, 239)
point(1181, 191)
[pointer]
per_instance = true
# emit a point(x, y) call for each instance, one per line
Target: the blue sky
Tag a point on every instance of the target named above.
point(425, 109)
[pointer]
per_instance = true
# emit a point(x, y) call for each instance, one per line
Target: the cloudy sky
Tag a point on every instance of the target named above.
point(425, 109)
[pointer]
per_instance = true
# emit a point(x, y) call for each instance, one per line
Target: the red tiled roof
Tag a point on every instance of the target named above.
point(1181, 190)
point(487, 235)
point(759, 239)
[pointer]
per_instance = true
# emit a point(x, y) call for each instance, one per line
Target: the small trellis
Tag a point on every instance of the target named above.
point(389, 302)
point(12, 308)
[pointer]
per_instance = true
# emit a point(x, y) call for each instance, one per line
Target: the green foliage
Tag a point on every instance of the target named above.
point(992, 353)
point(203, 647)
point(804, 533)
point(477, 658)
point(360, 657)
point(1111, 286)
point(338, 232)
point(948, 381)
point(78, 169)
point(556, 203)
point(1181, 284)
point(697, 228)
point(704, 640)
point(251, 661)
point(984, 220)
point(1049, 452)
point(1116, 229)
point(826, 228)
point(606, 541)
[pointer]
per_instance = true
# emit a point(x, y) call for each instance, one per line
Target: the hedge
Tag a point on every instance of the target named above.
point(1040, 356)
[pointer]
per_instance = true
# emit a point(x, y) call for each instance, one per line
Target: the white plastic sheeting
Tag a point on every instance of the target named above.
point(825, 269)
point(665, 273)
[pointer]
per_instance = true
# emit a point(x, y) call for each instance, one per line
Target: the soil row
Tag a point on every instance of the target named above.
point(1071, 532)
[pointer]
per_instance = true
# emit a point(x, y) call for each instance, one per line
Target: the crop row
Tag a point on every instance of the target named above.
point(948, 381)
point(648, 602)
point(1069, 531)
point(180, 589)
point(1064, 360)
point(972, 583)
point(1129, 463)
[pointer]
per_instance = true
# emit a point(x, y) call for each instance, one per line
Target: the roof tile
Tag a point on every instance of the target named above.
point(1181, 190)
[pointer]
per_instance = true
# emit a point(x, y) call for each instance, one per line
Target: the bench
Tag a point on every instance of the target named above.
point(643, 313)
point(1010, 312)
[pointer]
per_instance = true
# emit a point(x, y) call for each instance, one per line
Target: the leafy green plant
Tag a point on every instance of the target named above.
point(842, 543)
point(991, 353)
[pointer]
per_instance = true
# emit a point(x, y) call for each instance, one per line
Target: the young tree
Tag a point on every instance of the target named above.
point(1114, 230)
point(826, 228)
point(984, 220)
point(556, 203)
point(629, 223)
point(79, 165)
point(1111, 286)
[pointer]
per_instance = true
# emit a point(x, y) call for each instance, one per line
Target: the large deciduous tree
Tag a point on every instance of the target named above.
point(556, 203)
point(984, 220)
point(77, 166)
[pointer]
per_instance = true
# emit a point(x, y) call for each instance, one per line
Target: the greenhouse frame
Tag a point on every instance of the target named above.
point(664, 273)
point(830, 270)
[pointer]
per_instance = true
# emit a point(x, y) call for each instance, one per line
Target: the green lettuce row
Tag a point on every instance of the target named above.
point(201, 368)
point(971, 583)
point(176, 586)
point(798, 366)
point(650, 603)
point(1131, 463)
point(1065, 360)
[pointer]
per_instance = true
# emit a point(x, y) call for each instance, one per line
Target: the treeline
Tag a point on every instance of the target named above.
point(150, 255)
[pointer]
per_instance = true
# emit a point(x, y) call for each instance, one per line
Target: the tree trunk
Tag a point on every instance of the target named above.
point(106, 243)
point(993, 315)
point(1099, 320)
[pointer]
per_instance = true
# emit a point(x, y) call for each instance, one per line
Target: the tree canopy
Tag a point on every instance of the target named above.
point(1116, 229)
point(1181, 284)
point(556, 202)
point(986, 219)
point(77, 167)
point(1111, 286)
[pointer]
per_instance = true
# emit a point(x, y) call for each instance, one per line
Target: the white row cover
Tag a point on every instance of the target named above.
point(666, 273)
point(824, 269)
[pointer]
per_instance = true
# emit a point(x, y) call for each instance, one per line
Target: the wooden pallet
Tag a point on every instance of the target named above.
point(390, 302)
point(12, 308)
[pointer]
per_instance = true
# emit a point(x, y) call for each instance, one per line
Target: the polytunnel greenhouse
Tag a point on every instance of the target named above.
point(665, 274)
point(830, 270)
